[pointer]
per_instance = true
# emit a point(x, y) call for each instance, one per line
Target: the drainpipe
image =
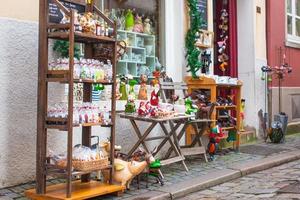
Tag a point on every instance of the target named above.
point(268, 34)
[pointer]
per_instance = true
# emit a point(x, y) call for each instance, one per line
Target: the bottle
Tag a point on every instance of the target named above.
point(106, 30)
point(106, 115)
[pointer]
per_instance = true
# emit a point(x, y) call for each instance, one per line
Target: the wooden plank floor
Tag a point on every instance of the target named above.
point(79, 191)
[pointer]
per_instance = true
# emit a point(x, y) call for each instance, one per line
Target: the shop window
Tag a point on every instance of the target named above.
point(142, 39)
point(293, 21)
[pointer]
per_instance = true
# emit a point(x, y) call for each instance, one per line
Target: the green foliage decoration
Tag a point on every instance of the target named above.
point(62, 48)
point(193, 52)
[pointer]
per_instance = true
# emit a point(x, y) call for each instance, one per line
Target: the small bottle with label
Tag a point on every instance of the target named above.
point(106, 30)
point(106, 118)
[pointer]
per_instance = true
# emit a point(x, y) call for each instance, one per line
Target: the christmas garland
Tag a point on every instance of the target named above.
point(192, 52)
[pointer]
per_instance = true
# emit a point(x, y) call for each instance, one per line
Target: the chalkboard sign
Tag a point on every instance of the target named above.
point(56, 15)
point(202, 7)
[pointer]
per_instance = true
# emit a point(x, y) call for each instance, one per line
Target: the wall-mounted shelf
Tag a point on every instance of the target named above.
point(140, 52)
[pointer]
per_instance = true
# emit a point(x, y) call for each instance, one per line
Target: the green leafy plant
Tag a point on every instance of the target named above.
point(62, 48)
point(193, 53)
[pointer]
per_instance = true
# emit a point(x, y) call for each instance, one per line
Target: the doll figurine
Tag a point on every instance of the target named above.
point(132, 83)
point(154, 100)
point(138, 27)
point(147, 26)
point(143, 88)
point(129, 20)
point(190, 108)
point(123, 90)
point(130, 106)
point(242, 114)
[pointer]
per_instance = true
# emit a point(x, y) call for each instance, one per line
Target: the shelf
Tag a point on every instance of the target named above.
point(61, 124)
point(59, 26)
point(79, 191)
point(80, 37)
point(136, 33)
point(225, 85)
point(52, 170)
point(61, 76)
point(132, 47)
point(226, 107)
point(132, 61)
point(227, 128)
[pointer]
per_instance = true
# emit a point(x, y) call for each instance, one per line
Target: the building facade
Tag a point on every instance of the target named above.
point(283, 29)
point(19, 66)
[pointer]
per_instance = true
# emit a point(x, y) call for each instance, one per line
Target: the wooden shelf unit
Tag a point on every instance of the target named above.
point(85, 188)
point(204, 83)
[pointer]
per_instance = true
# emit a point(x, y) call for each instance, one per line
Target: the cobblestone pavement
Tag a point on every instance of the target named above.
point(262, 185)
point(175, 173)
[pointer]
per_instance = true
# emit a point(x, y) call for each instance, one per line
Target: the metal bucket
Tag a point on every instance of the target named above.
point(283, 118)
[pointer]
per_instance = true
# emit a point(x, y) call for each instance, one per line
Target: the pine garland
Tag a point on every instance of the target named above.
point(193, 52)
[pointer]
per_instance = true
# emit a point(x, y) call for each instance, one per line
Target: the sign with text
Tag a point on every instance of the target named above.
point(56, 15)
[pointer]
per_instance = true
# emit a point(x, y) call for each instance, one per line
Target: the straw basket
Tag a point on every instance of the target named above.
point(80, 165)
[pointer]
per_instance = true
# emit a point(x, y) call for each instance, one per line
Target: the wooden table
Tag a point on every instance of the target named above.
point(199, 126)
point(167, 137)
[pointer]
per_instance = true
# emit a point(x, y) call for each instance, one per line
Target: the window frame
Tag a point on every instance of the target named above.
point(292, 40)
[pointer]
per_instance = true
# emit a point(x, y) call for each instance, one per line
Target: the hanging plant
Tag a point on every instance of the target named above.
point(62, 48)
point(192, 52)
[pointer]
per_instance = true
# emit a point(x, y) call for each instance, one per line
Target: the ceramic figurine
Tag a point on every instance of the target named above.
point(130, 106)
point(158, 66)
point(214, 139)
point(189, 107)
point(126, 171)
point(132, 83)
point(144, 108)
point(243, 101)
point(147, 26)
point(156, 74)
point(212, 148)
point(154, 100)
point(129, 20)
point(138, 27)
point(143, 88)
point(123, 89)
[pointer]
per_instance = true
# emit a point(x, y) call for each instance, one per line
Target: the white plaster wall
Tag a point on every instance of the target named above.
point(251, 37)
point(174, 38)
point(18, 80)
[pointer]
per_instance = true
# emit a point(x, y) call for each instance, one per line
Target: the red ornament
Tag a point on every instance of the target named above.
point(154, 100)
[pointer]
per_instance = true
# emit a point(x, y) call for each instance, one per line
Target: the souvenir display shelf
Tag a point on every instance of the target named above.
point(84, 188)
point(140, 51)
point(214, 89)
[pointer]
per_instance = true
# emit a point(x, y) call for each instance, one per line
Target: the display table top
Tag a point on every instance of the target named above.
point(152, 119)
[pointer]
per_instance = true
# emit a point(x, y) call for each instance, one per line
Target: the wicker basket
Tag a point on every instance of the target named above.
point(90, 165)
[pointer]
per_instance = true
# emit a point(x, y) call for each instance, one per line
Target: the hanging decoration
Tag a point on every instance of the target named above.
point(223, 57)
point(193, 53)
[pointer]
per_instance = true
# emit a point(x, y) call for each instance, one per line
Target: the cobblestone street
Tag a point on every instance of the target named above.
point(262, 185)
point(258, 185)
